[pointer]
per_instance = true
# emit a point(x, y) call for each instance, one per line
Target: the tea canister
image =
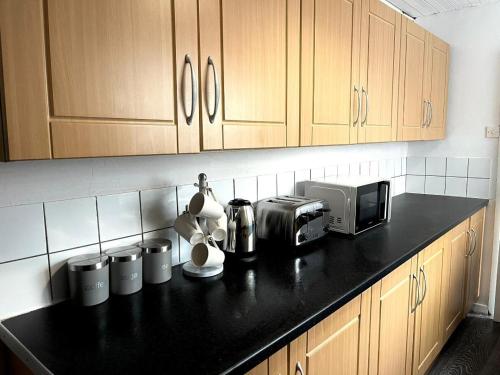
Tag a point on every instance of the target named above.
point(125, 269)
point(89, 279)
point(157, 260)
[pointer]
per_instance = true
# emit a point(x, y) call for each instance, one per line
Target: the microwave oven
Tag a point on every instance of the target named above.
point(356, 204)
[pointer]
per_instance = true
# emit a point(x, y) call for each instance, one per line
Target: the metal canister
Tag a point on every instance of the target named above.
point(125, 269)
point(89, 279)
point(157, 260)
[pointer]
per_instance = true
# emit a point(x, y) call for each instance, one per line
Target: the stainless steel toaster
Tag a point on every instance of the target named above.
point(292, 220)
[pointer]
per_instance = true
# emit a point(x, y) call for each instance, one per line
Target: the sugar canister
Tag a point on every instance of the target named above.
point(157, 260)
point(125, 269)
point(89, 279)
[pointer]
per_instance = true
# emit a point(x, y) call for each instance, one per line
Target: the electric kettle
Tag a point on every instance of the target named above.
point(241, 231)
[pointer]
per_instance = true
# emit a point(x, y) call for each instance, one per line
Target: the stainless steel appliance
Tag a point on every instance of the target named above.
point(292, 220)
point(240, 239)
point(357, 203)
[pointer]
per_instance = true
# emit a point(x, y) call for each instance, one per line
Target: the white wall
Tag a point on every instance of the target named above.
point(473, 102)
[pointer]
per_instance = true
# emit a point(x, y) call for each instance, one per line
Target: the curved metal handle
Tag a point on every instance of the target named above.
point(425, 284)
point(194, 91)
point(430, 114)
point(424, 122)
point(365, 93)
point(299, 369)
point(469, 236)
point(354, 123)
point(417, 296)
point(211, 116)
point(473, 250)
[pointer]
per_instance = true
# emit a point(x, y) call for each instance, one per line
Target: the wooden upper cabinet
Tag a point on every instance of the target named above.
point(474, 258)
point(379, 72)
point(428, 338)
point(24, 80)
point(394, 300)
point(412, 103)
point(114, 86)
point(330, 71)
point(437, 86)
point(255, 49)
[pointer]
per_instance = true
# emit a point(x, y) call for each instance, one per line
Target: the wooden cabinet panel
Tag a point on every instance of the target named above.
point(474, 259)
point(330, 71)
point(438, 86)
point(259, 45)
point(22, 40)
point(427, 341)
point(411, 85)
point(339, 344)
point(277, 364)
point(454, 268)
point(391, 332)
point(379, 70)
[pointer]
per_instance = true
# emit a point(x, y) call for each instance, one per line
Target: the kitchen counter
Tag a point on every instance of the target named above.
point(230, 324)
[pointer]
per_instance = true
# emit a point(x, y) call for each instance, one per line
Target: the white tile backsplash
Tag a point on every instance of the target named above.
point(364, 168)
point(246, 188)
point(435, 166)
point(159, 208)
point(318, 174)
point(456, 186)
point(71, 223)
point(415, 184)
point(184, 195)
point(403, 166)
point(300, 177)
point(478, 188)
point(132, 240)
point(399, 185)
point(343, 170)
point(331, 170)
point(170, 234)
point(119, 215)
point(22, 232)
point(415, 165)
point(479, 168)
point(59, 270)
point(434, 185)
point(286, 183)
point(184, 250)
point(398, 167)
point(223, 190)
point(354, 169)
point(24, 286)
point(374, 168)
point(266, 186)
point(456, 167)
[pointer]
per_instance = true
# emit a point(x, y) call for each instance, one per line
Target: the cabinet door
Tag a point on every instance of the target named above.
point(474, 259)
point(394, 299)
point(453, 282)
point(277, 364)
point(380, 45)
point(412, 103)
point(258, 44)
point(115, 80)
point(330, 71)
point(427, 342)
point(437, 83)
point(339, 343)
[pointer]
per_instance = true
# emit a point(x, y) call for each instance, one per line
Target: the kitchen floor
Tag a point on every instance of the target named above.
point(474, 348)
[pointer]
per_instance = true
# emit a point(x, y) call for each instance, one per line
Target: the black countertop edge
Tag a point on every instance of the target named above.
point(250, 362)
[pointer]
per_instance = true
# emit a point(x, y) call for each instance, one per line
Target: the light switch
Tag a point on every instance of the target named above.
point(492, 132)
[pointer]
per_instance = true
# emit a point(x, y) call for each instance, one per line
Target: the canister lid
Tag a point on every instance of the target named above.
point(124, 253)
point(155, 245)
point(88, 262)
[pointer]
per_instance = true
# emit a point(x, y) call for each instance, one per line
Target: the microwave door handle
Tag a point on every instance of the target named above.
point(387, 199)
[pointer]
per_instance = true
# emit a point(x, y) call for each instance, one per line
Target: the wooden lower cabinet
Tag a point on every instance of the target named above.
point(474, 257)
point(277, 364)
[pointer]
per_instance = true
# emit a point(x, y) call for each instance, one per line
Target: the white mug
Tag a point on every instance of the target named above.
point(188, 228)
point(218, 227)
point(204, 206)
point(205, 255)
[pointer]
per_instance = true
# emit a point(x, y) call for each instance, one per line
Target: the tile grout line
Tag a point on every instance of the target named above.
point(47, 251)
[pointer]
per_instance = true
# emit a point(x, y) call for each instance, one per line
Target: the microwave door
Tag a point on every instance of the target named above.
point(367, 207)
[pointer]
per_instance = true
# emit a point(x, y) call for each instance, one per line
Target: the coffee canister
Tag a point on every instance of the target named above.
point(157, 260)
point(89, 279)
point(125, 269)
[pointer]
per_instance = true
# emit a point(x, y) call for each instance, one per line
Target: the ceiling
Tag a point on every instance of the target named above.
point(420, 8)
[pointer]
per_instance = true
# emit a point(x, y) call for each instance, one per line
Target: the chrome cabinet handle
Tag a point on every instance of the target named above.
point(299, 369)
point(473, 250)
point(469, 237)
point(430, 114)
point(425, 284)
point(424, 122)
point(365, 93)
point(417, 295)
point(354, 123)
point(194, 91)
point(211, 116)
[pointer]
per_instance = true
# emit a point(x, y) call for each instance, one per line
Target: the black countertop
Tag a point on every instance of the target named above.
point(230, 324)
